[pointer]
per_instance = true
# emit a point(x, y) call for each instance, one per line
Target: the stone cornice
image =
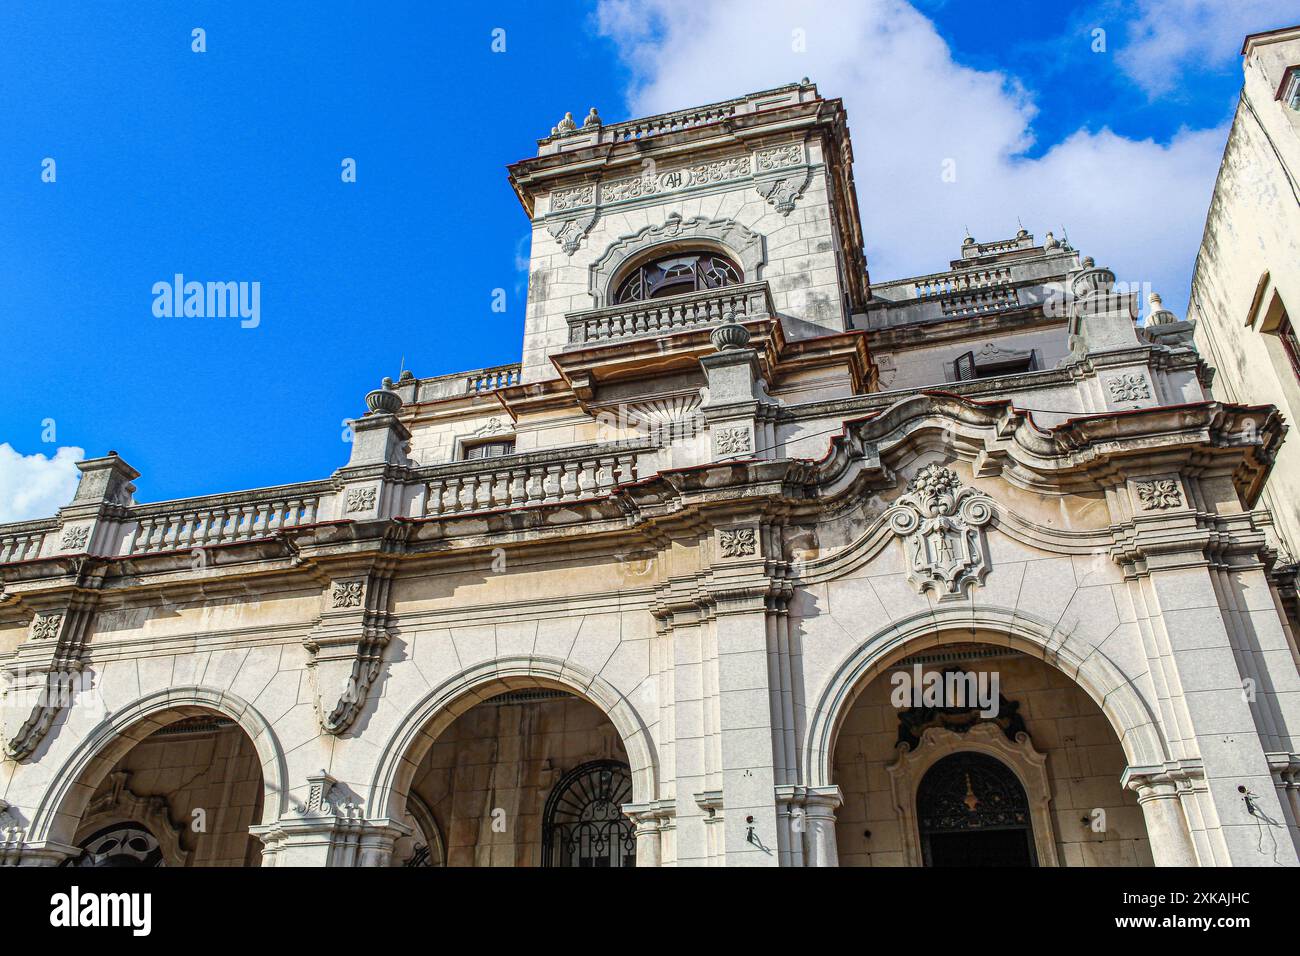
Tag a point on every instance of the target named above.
point(1086, 454)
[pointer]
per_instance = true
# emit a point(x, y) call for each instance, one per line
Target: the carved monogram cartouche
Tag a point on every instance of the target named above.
point(942, 524)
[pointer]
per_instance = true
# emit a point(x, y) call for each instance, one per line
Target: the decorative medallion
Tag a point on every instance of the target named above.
point(1159, 494)
point(569, 233)
point(346, 593)
point(738, 542)
point(1129, 388)
point(734, 441)
point(783, 192)
point(46, 627)
point(76, 536)
point(360, 499)
point(942, 523)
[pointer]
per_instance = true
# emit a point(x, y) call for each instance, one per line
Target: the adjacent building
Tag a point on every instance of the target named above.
point(1246, 289)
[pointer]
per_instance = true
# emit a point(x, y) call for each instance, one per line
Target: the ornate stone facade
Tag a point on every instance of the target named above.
point(673, 603)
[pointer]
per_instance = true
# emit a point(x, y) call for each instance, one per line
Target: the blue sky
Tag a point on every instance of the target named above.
point(225, 165)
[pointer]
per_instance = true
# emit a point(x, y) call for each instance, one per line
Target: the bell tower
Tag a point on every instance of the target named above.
point(648, 228)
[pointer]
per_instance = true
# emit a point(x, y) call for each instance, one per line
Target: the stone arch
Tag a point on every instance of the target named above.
point(57, 816)
point(747, 247)
point(1128, 713)
point(406, 746)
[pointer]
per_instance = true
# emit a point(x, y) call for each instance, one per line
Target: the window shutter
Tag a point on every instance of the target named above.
point(964, 367)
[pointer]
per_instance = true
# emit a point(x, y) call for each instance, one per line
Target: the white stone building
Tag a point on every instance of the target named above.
point(653, 595)
point(1246, 289)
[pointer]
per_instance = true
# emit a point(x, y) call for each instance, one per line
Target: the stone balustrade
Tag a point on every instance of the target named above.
point(660, 316)
point(205, 522)
point(502, 376)
point(952, 283)
point(22, 541)
point(566, 474)
point(992, 299)
point(667, 123)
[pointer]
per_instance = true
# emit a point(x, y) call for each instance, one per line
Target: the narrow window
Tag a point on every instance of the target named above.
point(489, 449)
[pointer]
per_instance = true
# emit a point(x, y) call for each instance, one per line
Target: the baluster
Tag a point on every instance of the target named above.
point(568, 479)
point(261, 519)
point(534, 484)
point(586, 478)
point(551, 483)
point(433, 497)
point(483, 491)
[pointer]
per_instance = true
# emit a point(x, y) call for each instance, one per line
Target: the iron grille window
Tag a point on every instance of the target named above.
point(583, 823)
point(489, 449)
point(677, 274)
point(125, 844)
point(971, 809)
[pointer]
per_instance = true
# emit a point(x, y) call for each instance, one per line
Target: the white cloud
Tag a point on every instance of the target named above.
point(1135, 205)
point(34, 486)
point(1169, 36)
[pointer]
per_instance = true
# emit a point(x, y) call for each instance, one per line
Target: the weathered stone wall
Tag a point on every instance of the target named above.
point(1246, 268)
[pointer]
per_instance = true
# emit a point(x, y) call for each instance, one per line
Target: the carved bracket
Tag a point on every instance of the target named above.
point(347, 648)
point(570, 232)
point(783, 192)
point(45, 674)
point(942, 524)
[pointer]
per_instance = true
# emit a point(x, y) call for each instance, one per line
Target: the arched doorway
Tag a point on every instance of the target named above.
point(530, 776)
point(972, 811)
point(184, 792)
point(583, 824)
point(1063, 753)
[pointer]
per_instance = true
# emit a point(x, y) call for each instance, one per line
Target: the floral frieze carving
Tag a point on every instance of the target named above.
point(346, 593)
point(738, 542)
point(76, 536)
point(360, 499)
point(942, 524)
point(46, 627)
point(733, 441)
point(1129, 388)
point(1159, 494)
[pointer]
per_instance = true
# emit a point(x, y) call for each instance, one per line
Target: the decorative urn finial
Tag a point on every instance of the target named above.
point(566, 125)
point(383, 400)
point(1157, 314)
point(593, 119)
point(730, 335)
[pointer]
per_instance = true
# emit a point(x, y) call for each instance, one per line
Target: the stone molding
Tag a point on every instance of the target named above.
point(748, 248)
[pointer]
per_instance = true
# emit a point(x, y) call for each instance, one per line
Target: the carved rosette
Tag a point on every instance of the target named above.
point(942, 524)
point(1159, 494)
point(738, 542)
point(360, 499)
